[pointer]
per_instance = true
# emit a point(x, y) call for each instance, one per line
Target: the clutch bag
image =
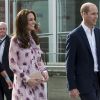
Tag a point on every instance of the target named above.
point(36, 75)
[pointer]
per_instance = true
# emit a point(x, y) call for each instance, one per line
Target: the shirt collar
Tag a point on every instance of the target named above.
point(3, 38)
point(85, 27)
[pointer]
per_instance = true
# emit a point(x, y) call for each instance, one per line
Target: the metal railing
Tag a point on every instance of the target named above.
point(51, 58)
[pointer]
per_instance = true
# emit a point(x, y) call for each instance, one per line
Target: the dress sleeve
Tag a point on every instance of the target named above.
point(39, 61)
point(13, 61)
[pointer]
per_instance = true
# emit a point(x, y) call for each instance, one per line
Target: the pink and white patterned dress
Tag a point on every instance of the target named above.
point(23, 63)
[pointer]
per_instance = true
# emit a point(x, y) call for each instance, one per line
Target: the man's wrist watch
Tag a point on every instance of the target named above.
point(7, 78)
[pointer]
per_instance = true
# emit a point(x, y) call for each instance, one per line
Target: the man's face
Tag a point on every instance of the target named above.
point(3, 30)
point(91, 17)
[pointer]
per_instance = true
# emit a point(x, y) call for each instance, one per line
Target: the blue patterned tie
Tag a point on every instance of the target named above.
point(1, 42)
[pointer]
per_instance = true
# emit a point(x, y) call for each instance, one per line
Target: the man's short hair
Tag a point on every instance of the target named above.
point(85, 7)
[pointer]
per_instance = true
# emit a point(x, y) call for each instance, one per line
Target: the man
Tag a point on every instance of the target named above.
point(83, 56)
point(4, 62)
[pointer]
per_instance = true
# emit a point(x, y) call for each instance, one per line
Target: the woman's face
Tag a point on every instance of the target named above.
point(31, 22)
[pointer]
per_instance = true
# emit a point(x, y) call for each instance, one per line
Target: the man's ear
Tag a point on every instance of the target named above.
point(83, 14)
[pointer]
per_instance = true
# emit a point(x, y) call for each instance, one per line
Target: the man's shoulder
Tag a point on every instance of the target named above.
point(76, 31)
point(97, 29)
point(8, 38)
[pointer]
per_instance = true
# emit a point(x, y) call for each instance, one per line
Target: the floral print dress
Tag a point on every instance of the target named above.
point(23, 62)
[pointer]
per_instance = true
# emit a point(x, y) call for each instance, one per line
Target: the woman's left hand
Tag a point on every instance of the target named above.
point(45, 75)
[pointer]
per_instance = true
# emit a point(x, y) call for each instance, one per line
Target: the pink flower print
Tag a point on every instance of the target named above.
point(21, 74)
point(27, 98)
point(36, 88)
point(32, 51)
point(17, 53)
point(39, 64)
point(26, 54)
point(36, 66)
point(41, 94)
point(12, 60)
point(42, 85)
point(24, 63)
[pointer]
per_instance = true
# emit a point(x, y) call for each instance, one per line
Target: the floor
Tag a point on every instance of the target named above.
point(57, 89)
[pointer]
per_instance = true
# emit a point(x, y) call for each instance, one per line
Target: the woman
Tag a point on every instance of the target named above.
point(25, 59)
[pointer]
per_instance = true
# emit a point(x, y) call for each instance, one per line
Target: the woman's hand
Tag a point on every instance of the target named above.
point(45, 75)
point(34, 82)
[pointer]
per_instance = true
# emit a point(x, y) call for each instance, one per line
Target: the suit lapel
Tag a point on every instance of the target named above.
point(96, 38)
point(85, 39)
point(6, 48)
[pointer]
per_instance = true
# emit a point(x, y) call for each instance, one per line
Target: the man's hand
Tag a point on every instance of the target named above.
point(9, 82)
point(74, 93)
point(7, 79)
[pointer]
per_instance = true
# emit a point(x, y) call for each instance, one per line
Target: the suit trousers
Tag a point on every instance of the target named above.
point(4, 90)
point(95, 93)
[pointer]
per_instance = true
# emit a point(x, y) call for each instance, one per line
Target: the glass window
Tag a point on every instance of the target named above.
point(68, 14)
point(41, 9)
point(2, 10)
point(61, 45)
point(46, 46)
point(65, 15)
point(11, 17)
point(44, 43)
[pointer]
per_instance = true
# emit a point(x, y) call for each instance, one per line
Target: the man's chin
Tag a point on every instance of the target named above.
point(94, 24)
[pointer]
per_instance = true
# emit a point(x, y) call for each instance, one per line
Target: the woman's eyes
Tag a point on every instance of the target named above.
point(31, 19)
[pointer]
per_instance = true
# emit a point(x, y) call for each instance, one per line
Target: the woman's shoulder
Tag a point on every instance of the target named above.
point(13, 38)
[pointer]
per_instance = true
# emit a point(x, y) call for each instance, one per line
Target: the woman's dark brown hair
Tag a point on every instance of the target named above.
point(21, 33)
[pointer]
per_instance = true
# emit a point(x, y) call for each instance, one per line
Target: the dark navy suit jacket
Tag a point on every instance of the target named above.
point(1, 68)
point(5, 61)
point(79, 60)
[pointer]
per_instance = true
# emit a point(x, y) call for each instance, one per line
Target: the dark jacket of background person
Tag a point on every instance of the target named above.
point(5, 65)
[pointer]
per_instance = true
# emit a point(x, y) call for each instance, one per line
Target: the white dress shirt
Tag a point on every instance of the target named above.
point(2, 49)
point(91, 39)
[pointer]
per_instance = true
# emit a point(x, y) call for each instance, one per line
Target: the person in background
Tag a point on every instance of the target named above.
point(6, 75)
point(25, 59)
point(83, 56)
